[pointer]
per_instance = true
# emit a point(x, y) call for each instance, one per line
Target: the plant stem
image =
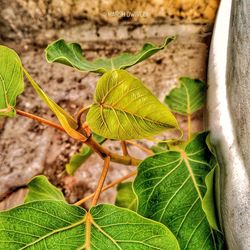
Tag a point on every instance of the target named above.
point(88, 230)
point(146, 150)
point(189, 125)
point(80, 113)
point(40, 119)
point(103, 152)
point(124, 148)
point(101, 180)
point(112, 184)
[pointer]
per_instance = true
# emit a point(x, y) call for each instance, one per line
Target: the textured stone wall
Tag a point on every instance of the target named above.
point(22, 19)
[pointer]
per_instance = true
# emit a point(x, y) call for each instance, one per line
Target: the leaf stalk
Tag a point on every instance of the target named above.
point(100, 184)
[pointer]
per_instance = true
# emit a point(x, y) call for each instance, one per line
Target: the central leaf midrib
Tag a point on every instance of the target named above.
point(188, 99)
point(104, 105)
point(185, 158)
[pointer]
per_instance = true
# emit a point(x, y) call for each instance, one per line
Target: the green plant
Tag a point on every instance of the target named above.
point(173, 196)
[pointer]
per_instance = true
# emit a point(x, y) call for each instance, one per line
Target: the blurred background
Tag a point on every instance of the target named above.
point(103, 28)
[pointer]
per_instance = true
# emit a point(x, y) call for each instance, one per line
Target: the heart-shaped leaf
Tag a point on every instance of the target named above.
point(11, 81)
point(125, 109)
point(125, 196)
point(187, 97)
point(66, 120)
point(171, 188)
point(55, 225)
point(71, 54)
point(41, 189)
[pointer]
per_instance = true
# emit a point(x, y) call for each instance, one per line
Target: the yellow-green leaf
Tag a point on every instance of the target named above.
point(66, 120)
point(71, 54)
point(187, 97)
point(11, 81)
point(125, 109)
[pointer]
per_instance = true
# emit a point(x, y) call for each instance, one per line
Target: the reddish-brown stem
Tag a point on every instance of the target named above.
point(103, 152)
point(80, 113)
point(124, 148)
point(112, 184)
point(40, 119)
point(101, 180)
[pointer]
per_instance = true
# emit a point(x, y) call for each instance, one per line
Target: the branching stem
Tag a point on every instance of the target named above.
point(103, 152)
point(112, 184)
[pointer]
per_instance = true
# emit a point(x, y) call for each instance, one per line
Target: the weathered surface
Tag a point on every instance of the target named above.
point(15, 199)
point(229, 117)
point(23, 150)
point(26, 19)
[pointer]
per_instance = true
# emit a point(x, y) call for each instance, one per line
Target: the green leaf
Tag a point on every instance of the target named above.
point(42, 225)
point(41, 189)
point(78, 159)
point(125, 109)
point(188, 97)
point(171, 188)
point(11, 81)
point(208, 202)
point(216, 180)
point(11, 78)
point(66, 120)
point(71, 54)
point(59, 226)
point(125, 196)
point(160, 147)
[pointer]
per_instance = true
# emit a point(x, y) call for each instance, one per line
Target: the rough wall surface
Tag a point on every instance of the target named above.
point(26, 19)
point(28, 26)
